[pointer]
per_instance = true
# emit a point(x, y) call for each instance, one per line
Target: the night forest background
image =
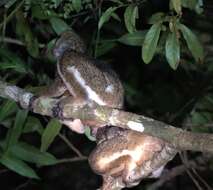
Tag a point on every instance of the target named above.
point(168, 78)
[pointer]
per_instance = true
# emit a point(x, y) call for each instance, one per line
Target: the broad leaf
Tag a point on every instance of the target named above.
point(176, 4)
point(15, 132)
point(11, 61)
point(18, 166)
point(33, 124)
point(56, 3)
point(130, 16)
point(6, 109)
point(118, 2)
point(58, 25)
point(196, 5)
point(23, 29)
point(201, 116)
point(189, 4)
point(77, 5)
point(106, 16)
point(133, 39)
point(32, 45)
point(157, 17)
point(105, 47)
point(32, 154)
point(150, 42)
point(49, 134)
point(9, 3)
point(116, 17)
point(172, 50)
point(38, 12)
point(192, 42)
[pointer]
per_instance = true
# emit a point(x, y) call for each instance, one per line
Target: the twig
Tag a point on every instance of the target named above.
point(193, 179)
point(72, 147)
point(201, 179)
point(17, 42)
point(4, 171)
point(184, 159)
point(176, 171)
point(12, 14)
point(23, 185)
point(75, 159)
point(12, 41)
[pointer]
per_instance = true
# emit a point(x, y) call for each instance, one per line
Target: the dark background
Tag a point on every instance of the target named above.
point(155, 90)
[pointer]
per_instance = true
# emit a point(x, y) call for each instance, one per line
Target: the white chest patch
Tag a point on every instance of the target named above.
point(92, 95)
point(109, 89)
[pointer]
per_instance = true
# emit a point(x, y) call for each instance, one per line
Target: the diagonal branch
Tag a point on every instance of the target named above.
point(182, 140)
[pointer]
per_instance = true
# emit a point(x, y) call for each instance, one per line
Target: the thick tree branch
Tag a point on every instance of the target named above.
point(91, 114)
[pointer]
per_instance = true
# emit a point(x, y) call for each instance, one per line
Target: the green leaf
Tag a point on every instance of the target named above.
point(33, 124)
point(77, 5)
point(9, 3)
point(189, 4)
point(130, 16)
point(18, 166)
point(173, 50)
point(12, 61)
point(105, 47)
point(23, 29)
point(49, 134)
point(88, 134)
point(49, 47)
point(118, 2)
point(56, 3)
point(106, 16)
point(26, 152)
point(38, 12)
point(15, 132)
point(176, 4)
point(157, 17)
point(133, 39)
point(150, 42)
point(32, 45)
point(6, 109)
point(116, 17)
point(58, 25)
point(192, 42)
point(201, 115)
point(196, 5)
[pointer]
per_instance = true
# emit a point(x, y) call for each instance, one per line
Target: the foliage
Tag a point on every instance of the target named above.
point(116, 31)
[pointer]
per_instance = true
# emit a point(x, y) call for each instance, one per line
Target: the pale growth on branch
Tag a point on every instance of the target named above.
point(136, 126)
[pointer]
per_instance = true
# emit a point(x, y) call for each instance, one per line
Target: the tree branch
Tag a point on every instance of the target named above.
point(180, 139)
point(200, 163)
point(72, 147)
